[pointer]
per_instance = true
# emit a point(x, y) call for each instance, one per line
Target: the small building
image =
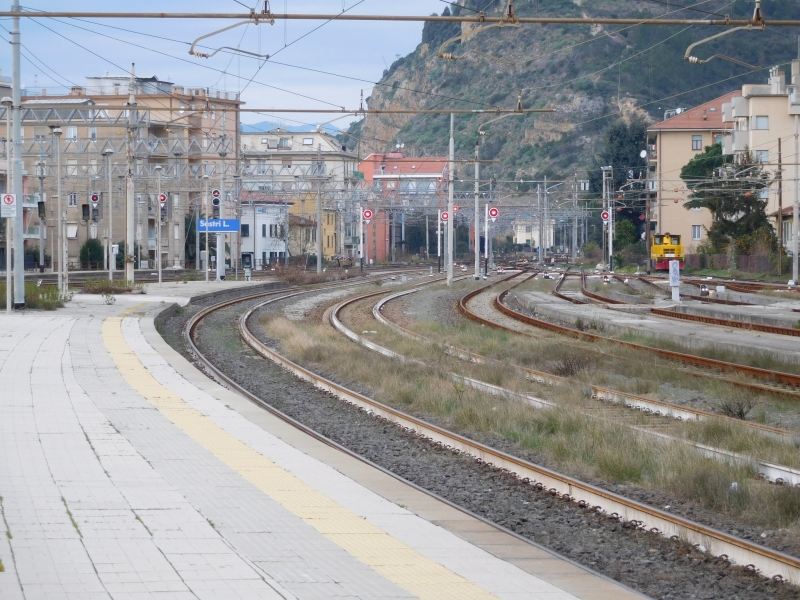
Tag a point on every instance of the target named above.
point(263, 229)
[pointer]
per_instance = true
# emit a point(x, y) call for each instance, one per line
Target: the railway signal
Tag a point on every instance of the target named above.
point(604, 215)
point(162, 198)
point(445, 216)
point(455, 209)
point(215, 197)
point(493, 214)
point(367, 215)
point(95, 198)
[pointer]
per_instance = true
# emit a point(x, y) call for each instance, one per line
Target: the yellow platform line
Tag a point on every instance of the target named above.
point(390, 557)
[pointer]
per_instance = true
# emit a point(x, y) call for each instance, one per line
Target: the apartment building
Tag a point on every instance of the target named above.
point(302, 167)
point(401, 185)
point(758, 117)
point(187, 132)
point(683, 134)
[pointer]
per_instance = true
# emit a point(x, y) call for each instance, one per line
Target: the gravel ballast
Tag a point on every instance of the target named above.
point(658, 567)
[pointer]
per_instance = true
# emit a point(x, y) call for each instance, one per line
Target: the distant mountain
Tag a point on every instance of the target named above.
point(590, 75)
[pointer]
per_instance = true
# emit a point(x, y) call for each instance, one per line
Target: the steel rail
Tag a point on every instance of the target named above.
point(671, 314)
point(657, 407)
point(768, 562)
point(230, 383)
point(708, 299)
point(597, 297)
point(559, 294)
point(779, 474)
point(788, 379)
point(266, 17)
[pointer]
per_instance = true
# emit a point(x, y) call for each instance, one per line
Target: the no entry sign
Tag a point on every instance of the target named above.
point(8, 207)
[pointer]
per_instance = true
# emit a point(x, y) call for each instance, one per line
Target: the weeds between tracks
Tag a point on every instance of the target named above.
point(563, 437)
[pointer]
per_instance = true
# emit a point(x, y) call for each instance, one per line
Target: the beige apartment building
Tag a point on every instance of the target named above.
point(292, 167)
point(758, 117)
point(673, 143)
point(184, 131)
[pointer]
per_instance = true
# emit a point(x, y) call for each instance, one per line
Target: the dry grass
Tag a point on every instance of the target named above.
point(574, 441)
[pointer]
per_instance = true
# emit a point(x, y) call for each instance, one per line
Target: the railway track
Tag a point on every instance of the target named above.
point(766, 561)
point(771, 382)
point(655, 427)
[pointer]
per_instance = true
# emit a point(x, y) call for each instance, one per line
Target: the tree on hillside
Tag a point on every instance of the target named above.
point(622, 143)
point(731, 191)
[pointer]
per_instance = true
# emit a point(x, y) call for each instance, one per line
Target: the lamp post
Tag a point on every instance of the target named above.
point(7, 103)
point(40, 168)
point(61, 219)
point(112, 258)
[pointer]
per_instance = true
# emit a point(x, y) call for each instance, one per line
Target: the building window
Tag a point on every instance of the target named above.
point(764, 193)
point(264, 230)
point(762, 123)
point(718, 139)
point(308, 141)
point(762, 156)
point(697, 142)
point(72, 199)
point(93, 133)
point(697, 232)
point(245, 230)
point(264, 141)
point(72, 133)
point(72, 231)
point(285, 144)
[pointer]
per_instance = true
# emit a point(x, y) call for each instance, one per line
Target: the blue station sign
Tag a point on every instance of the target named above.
point(218, 225)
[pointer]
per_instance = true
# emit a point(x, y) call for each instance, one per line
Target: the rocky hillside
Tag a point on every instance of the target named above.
point(590, 75)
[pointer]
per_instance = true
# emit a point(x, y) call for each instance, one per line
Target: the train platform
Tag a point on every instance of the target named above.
point(126, 473)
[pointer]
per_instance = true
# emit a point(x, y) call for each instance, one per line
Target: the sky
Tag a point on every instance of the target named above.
point(60, 53)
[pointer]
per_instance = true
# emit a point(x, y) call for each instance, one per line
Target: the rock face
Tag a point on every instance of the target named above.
point(590, 75)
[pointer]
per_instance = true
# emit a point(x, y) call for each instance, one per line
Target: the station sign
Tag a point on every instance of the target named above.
point(218, 225)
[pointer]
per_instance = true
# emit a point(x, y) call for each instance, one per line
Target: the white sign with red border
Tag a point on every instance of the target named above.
point(604, 215)
point(445, 216)
point(367, 215)
point(493, 214)
point(8, 207)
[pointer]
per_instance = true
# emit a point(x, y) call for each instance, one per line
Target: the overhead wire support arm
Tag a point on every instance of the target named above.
point(509, 19)
point(757, 21)
point(254, 19)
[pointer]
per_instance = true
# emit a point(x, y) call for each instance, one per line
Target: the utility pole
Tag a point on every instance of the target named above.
point(546, 239)
point(41, 206)
point(223, 152)
point(427, 238)
point(16, 115)
point(451, 192)
point(796, 206)
point(575, 222)
point(489, 245)
point(439, 241)
point(539, 212)
point(130, 233)
point(319, 209)
point(477, 214)
point(112, 258)
point(7, 104)
point(158, 168)
point(780, 211)
point(360, 238)
point(205, 210)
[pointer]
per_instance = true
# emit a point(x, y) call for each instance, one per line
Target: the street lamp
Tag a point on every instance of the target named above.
point(7, 104)
point(112, 258)
point(61, 219)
